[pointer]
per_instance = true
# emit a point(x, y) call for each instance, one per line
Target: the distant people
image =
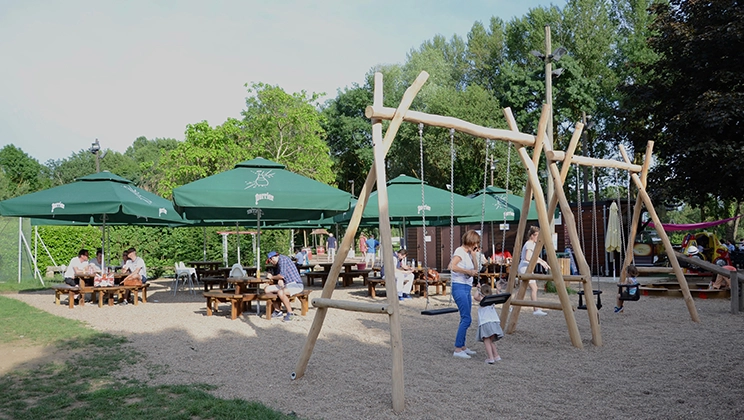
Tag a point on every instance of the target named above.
point(287, 283)
point(124, 258)
point(372, 245)
point(489, 324)
point(97, 262)
point(331, 245)
point(403, 275)
point(77, 266)
point(462, 269)
point(135, 266)
point(301, 256)
point(363, 244)
point(723, 282)
point(524, 261)
point(501, 256)
point(631, 277)
point(730, 246)
point(741, 244)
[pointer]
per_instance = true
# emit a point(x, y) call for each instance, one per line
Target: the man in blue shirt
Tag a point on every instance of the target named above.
point(331, 246)
point(287, 283)
point(372, 245)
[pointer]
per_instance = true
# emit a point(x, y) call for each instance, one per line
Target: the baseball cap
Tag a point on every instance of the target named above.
point(272, 254)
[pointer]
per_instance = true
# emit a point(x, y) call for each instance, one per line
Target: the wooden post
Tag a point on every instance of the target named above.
point(636, 213)
point(735, 292)
point(356, 219)
point(665, 240)
point(542, 214)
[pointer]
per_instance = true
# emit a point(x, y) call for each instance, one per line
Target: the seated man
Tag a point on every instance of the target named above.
point(135, 266)
point(77, 266)
point(288, 283)
point(403, 275)
point(722, 282)
point(97, 262)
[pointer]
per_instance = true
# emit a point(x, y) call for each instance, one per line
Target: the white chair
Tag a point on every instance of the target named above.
point(185, 274)
point(237, 271)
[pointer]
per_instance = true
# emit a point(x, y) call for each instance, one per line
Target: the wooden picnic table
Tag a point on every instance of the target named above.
point(247, 284)
point(207, 265)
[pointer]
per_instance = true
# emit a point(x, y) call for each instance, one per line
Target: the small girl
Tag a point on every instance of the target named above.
point(630, 278)
point(489, 324)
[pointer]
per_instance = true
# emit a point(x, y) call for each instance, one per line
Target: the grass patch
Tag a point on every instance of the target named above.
point(26, 284)
point(91, 385)
point(550, 288)
point(24, 322)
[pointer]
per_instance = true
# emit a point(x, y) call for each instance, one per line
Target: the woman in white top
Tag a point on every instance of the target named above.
point(462, 271)
point(524, 261)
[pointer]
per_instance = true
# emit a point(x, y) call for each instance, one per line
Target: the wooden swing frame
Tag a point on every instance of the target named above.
point(377, 175)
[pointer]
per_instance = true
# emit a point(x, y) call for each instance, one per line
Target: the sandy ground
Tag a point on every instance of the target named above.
point(655, 362)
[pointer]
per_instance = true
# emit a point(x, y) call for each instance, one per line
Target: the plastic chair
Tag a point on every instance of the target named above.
point(185, 274)
point(237, 271)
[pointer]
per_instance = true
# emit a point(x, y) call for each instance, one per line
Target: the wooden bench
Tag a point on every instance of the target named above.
point(312, 275)
point(239, 302)
point(372, 284)
point(209, 282)
point(419, 287)
point(64, 288)
point(121, 291)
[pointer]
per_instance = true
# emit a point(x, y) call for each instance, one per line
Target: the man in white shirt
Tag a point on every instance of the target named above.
point(135, 266)
point(97, 262)
point(77, 266)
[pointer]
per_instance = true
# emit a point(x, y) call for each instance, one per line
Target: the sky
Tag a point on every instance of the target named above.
point(74, 71)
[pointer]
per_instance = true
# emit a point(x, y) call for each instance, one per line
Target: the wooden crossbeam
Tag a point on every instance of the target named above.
point(540, 304)
point(549, 277)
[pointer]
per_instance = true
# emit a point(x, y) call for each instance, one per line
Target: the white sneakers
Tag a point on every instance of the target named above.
point(461, 355)
point(464, 354)
point(539, 312)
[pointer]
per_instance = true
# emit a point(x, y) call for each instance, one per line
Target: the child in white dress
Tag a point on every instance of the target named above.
point(489, 325)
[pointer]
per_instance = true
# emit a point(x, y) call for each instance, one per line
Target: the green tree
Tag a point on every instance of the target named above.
point(21, 173)
point(147, 155)
point(287, 128)
point(691, 101)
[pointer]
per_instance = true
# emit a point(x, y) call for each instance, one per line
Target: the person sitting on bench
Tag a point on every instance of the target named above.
point(288, 283)
point(403, 275)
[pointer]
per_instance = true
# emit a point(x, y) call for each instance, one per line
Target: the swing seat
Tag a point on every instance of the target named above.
point(495, 299)
point(439, 311)
point(629, 292)
point(597, 293)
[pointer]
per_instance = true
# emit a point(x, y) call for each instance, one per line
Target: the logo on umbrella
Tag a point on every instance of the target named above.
point(162, 211)
point(264, 196)
point(261, 179)
point(57, 205)
point(500, 203)
point(137, 194)
point(424, 207)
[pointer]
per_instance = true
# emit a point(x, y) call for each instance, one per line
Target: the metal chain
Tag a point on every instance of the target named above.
point(627, 211)
point(620, 213)
point(579, 208)
point(423, 199)
point(503, 231)
point(595, 245)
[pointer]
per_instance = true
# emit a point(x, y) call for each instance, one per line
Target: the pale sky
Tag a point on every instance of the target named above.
point(76, 70)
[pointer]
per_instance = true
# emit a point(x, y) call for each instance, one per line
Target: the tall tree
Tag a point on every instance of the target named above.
point(147, 154)
point(692, 102)
point(22, 173)
point(287, 128)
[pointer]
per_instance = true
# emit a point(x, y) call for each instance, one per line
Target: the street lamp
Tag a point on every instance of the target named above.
point(351, 181)
point(95, 148)
point(548, 58)
point(493, 167)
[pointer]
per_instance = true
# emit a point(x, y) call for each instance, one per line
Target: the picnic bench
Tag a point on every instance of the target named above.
point(101, 292)
point(240, 302)
point(419, 286)
point(210, 281)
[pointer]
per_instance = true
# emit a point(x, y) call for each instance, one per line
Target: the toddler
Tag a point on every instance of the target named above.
point(631, 274)
point(489, 326)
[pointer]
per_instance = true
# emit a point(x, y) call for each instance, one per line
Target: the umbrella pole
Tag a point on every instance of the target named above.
point(237, 233)
point(103, 246)
point(258, 244)
point(205, 243)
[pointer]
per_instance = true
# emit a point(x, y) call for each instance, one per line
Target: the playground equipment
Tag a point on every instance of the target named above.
point(377, 174)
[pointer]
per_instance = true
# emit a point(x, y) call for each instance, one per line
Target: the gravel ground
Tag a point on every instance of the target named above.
point(655, 362)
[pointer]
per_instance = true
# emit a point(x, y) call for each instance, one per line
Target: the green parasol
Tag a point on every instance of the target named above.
point(499, 206)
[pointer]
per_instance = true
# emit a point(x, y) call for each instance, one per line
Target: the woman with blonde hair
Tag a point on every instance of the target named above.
point(462, 269)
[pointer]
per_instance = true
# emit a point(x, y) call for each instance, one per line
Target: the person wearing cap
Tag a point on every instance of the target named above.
point(287, 282)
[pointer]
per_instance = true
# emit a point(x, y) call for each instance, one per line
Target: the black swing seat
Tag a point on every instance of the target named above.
point(495, 299)
point(440, 311)
point(629, 292)
point(597, 293)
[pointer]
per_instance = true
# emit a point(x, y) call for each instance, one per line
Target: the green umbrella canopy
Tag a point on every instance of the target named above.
point(259, 185)
point(499, 204)
point(90, 198)
point(404, 201)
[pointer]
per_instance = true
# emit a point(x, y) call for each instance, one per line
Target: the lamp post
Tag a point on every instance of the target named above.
point(493, 167)
point(95, 148)
point(351, 181)
point(548, 59)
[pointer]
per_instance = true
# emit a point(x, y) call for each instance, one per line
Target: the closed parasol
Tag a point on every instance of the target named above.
point(613, 235)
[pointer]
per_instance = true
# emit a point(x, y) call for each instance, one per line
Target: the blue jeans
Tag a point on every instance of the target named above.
point(464, 301)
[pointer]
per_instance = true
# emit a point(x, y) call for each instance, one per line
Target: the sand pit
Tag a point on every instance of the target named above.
point(655, 362)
